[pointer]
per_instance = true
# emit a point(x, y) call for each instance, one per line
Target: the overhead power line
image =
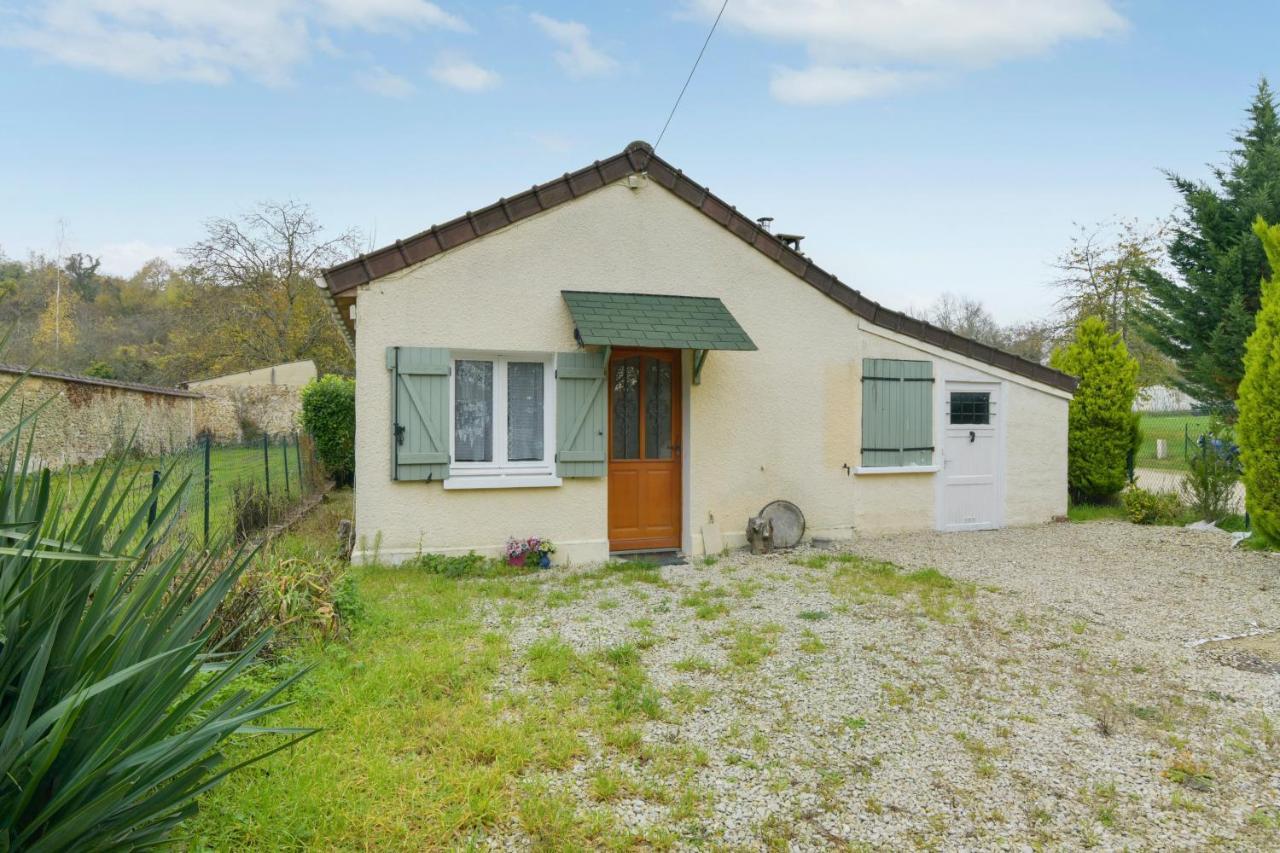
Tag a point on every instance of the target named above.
point(679, 97)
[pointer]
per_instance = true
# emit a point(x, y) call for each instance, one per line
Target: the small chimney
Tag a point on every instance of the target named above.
point(765, 222)
point(792, 240)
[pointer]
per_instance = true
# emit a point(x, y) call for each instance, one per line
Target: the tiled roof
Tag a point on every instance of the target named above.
point(343, 279)
point(651, 320)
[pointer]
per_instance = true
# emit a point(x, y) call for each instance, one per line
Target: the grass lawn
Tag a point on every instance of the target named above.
point(1096, 512)
point(1174, 429)
point(417, 747)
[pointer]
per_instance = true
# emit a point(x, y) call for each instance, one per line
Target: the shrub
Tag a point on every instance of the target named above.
point(294, 597)
point(1259, 402)
point(1145, 507)
point(469, 565)
point(1100, 419)
point(1209, 487)
point(329, 416)
point(110, 725)
point(251, 509)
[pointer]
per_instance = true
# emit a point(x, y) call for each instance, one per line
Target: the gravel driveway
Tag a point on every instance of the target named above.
point(1042, 691)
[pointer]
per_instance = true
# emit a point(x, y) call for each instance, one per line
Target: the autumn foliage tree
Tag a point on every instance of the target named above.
point(1258, 428)
point(1100, 423)
point(254, 299)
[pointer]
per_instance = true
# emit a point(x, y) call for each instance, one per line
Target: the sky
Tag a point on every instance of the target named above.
point(922, 146)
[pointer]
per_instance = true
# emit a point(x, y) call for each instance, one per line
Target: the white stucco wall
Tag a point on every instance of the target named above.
point(781, 422)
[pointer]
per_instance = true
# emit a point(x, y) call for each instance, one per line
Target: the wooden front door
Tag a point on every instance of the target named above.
point(644, 450)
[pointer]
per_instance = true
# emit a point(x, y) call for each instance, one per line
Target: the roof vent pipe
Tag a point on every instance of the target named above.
point(792, 240)
point(765, 222)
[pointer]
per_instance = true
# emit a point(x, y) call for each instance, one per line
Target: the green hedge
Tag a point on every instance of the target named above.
point(329, 415)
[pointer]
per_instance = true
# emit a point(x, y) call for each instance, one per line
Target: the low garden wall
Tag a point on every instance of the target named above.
point(234, 413)
point(85, 419)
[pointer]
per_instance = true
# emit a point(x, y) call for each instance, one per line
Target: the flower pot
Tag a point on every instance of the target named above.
point(545, 562)
point(516, 561)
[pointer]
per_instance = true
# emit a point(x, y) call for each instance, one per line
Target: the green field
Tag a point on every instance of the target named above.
point(228, 465)
point(1180, 430)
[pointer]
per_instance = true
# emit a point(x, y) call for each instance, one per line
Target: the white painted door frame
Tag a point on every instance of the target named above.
point(995, 431)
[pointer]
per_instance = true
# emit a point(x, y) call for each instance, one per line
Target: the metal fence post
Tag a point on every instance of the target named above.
point(284, 452)
point(266, 465)
point(297, 446)
point(208, 482)
point(155, 498)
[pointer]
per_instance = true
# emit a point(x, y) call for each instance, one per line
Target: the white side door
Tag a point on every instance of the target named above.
point(970, 457)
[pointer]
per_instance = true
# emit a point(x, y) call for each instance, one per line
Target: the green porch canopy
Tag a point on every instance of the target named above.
point(649, 320)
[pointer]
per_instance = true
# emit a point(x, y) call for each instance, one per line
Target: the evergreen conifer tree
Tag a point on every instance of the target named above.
point(1100, 422)
point(1201, 317)
point(1258, 429)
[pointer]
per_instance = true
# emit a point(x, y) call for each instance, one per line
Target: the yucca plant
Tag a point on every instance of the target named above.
point(113, 700)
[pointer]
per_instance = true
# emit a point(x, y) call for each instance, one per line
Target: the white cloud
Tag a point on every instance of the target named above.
point(208, 42)
point(125, 259)
point(460, 73)
point(379, 15)
point(829, 84)
point(856, 47)
point(577, 55)
point(380, 81)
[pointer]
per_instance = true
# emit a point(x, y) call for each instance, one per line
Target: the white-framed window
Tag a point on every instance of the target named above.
point(501, 420)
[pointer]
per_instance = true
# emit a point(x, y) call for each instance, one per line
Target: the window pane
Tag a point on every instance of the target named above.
point(626, 408)
point(968, 407)
point(657, 409)
point(473, 411)
point(524, 411)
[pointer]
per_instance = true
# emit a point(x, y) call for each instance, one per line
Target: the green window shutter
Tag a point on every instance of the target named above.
point(419, 413)
point(580, 414)
point(897, 412)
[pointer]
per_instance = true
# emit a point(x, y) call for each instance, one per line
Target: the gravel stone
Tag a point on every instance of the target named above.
point(1062, 703)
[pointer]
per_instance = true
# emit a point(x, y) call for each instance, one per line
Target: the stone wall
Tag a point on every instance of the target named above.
point(85, 419)
point(82, 422)
point(233, 413)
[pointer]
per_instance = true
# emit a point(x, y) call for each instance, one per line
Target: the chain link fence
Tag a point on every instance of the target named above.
point(1169, 439)
point(224, 492)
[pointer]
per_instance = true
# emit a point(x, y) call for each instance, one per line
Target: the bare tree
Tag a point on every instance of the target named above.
point(965, 316)
point(1100, 276)
point(255, 280)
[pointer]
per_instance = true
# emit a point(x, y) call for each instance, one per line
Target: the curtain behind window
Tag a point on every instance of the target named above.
point(524, 411)
point(473, 411)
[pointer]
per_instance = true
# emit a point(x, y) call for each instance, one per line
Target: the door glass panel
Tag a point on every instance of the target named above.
point(970, 407)
point(657, 409)
point(524, 411)
point(473, 411)
point(626, 408)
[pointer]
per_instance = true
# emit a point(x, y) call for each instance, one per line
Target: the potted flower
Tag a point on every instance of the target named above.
point(534, 551)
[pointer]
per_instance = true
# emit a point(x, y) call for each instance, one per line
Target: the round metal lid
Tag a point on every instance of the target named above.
point(788, 523)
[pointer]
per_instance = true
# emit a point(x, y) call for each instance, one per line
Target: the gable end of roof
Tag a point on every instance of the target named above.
point(638, 157)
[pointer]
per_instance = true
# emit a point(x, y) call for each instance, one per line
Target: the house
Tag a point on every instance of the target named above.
point(619, 358)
